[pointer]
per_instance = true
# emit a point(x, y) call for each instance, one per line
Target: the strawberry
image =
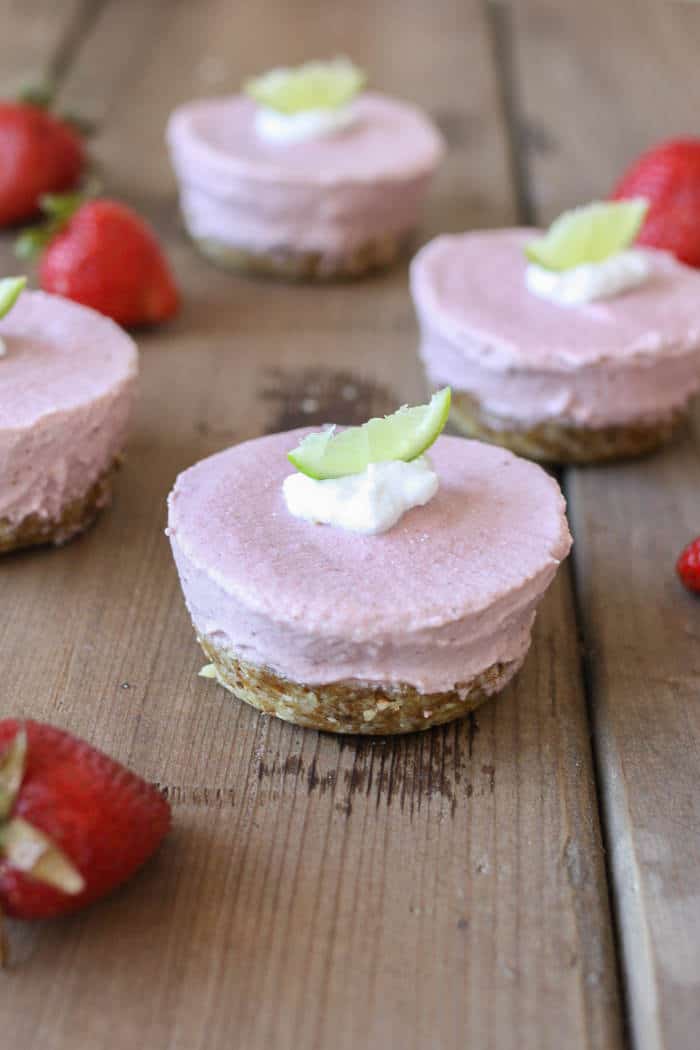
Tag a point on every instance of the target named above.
point(74, 824)
point(39, 153)
point(688, 566)
point(102, 254)
point(669, 177)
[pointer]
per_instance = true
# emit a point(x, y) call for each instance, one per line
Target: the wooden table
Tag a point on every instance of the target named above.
point(526, 879)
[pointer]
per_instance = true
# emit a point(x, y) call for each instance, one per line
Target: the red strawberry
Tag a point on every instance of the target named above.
point(688, 566)
point(669, 177)
point(74, 824)
point(102, 254)
point(38, 154)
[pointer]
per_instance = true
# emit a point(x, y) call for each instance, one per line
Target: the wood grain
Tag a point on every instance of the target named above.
point(599, 83)
point(433, 891)
point(630, 521)
point(39, 39)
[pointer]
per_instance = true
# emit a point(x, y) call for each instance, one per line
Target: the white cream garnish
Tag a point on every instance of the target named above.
point(590, 281)
point(369, 502)
point(283, 128)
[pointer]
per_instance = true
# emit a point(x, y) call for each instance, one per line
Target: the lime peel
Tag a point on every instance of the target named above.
point(589, 234)
point(404, 435)
point(10, 289)
point(314, 85)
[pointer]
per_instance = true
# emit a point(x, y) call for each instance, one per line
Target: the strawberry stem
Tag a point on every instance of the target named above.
point(40, 95)
point(31, 242)
point(58, 209)
point(60, 205)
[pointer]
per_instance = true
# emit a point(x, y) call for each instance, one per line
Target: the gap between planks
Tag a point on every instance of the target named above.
point(498, 17)
point(77, 29)
point(561, 166)
point(43, 41)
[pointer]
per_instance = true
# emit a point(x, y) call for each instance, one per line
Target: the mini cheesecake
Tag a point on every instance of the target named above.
point(355, 633)
point(333, 206)
point(593, 381)
point(67, 380)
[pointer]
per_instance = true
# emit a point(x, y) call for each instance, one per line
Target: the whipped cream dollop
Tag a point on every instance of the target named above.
point(284, 128)
point(589, 281)
point(369, 502)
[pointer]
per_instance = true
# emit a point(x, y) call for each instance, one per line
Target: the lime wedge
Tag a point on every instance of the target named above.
point(589, 234)
point(315, 85)
point(405, 435)
point(10, 287)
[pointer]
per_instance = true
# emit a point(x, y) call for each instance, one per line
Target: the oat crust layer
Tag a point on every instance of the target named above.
point(351, 707)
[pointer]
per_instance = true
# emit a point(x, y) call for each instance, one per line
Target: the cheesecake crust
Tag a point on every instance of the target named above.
point(558, 442)
point(287, 263)
point(351, 707)
point(75, 518)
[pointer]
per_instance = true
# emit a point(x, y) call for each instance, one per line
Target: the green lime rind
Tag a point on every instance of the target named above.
point(404, 435)
point(315, 85)
point(10, 289)
point(589, 234)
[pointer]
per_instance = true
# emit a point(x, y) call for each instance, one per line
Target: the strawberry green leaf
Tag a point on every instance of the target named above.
point(30, 242)
point(40, 95)
point(60, 205)
point(58, 208)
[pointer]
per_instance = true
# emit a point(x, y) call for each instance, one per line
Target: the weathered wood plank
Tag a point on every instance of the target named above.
point(37, 39)
point(599, 83)
point(433, 891)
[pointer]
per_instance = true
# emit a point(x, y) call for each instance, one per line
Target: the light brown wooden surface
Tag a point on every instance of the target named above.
point(599, 83)
point(315, 892)
point(445, 890)
point(38, 40)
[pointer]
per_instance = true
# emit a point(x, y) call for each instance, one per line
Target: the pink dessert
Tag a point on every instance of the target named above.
point(328, 197)
point(631, 361)
point(67, 380)
point(437, 612)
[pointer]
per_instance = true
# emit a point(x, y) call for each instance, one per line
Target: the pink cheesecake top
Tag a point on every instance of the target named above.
point(472, 288)
point(59, 356)
point(389, 140)
point(427, 602)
